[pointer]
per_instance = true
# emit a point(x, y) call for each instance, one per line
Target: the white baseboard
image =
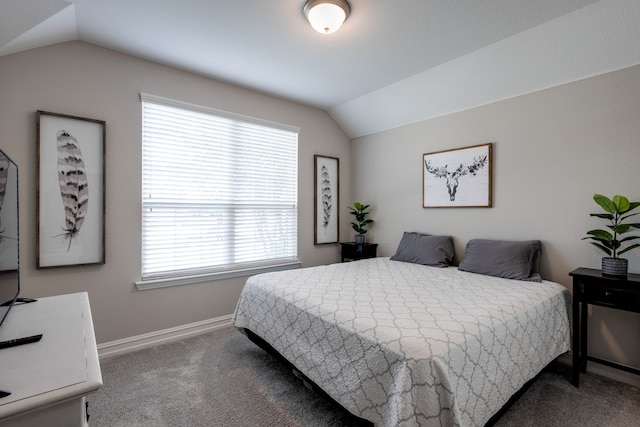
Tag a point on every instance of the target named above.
point(138, 342)
point(605, 371)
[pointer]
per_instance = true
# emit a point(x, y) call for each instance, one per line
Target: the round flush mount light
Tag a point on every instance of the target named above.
point(326, 16)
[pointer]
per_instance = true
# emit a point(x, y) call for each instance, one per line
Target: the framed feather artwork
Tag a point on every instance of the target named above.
point(70, 190)
point(327, 188)
point(8, 218)
point(458, 178)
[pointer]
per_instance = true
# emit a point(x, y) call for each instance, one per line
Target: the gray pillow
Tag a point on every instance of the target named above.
point(500, 258)
point(435, 251)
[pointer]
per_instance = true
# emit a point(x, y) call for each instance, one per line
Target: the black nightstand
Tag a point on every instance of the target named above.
point(353, 252)
point(591, 287)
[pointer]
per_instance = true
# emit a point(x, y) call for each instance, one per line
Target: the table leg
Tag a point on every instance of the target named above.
point(584, 320)
point(576, 334)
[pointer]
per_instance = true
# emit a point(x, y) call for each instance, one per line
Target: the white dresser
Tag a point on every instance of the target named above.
point(49, 379)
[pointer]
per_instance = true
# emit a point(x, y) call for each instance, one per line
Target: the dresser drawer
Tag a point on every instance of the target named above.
point(619, 298)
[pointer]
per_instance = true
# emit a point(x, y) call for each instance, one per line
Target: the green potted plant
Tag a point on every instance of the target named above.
point(360, 222)
point(617, 213)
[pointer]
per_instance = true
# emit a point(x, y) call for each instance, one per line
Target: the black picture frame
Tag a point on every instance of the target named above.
point(326, 200)
point(70, 210)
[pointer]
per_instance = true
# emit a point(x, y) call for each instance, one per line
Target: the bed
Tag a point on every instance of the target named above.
point(404, 344)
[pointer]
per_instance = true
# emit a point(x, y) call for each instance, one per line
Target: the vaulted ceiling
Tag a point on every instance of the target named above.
point(392, 62)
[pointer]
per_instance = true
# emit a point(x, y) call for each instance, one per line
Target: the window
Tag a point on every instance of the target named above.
point(219, 192)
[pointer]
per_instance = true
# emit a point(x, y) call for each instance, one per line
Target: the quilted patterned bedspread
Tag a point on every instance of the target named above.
point(403, 344)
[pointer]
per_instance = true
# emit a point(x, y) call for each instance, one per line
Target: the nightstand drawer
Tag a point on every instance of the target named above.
point(618, 298)
point(354, 252)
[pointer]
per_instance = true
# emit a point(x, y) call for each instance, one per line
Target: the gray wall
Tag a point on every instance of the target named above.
point(84, 80)
point(553, 150)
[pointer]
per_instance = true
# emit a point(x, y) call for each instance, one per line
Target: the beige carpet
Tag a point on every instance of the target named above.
point(223, 379)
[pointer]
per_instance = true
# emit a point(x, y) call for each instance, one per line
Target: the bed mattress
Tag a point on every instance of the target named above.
point(403, 344)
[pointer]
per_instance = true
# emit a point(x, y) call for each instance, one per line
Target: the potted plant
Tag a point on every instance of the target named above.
point(617, 213)
point(360, 222)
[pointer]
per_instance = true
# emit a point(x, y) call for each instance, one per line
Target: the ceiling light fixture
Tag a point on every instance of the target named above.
point(326, 16)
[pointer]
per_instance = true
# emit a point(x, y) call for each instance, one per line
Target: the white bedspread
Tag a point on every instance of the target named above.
point(403, 344)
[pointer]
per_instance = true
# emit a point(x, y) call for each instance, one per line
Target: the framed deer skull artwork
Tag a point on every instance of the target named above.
point(458, 178)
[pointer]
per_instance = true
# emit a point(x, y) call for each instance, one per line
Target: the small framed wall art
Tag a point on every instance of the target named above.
point(458, 178)
point(70, 190)
point(326, 199)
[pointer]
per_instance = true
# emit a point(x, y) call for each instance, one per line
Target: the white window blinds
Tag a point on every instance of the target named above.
point(219, 191)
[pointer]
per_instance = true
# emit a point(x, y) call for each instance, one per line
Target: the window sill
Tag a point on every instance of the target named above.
point(145, 285)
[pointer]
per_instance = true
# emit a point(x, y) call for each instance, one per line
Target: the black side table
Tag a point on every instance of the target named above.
point(354, 252)
point(591, 287)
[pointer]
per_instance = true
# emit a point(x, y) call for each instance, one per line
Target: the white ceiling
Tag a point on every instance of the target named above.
point(393, 62)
